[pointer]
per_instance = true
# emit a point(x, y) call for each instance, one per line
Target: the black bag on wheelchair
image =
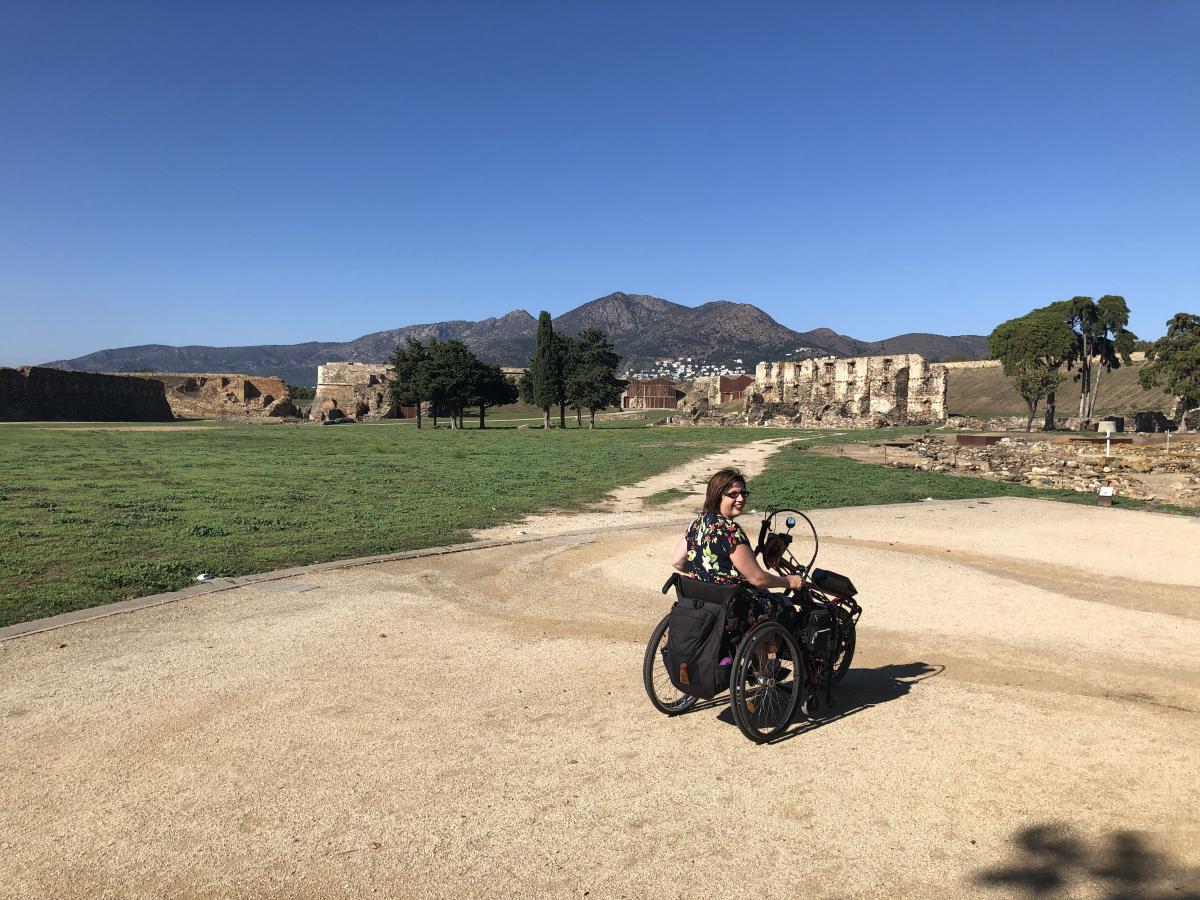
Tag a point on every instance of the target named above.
point(696, 635)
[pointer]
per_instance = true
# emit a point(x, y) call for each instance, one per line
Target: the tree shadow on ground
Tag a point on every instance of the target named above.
point(1054, 860)
point(860, 689)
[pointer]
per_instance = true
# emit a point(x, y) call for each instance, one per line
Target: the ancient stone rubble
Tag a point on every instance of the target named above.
point(1136, 471)
point(226, 396)
point(37, 393)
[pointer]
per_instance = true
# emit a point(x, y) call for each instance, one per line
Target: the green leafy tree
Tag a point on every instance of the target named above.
point(410, 369)
point(1102, 342)
point(592, 383)
point(1033, 348)
point(564, 352)
point(451, 377)
point(1173, 361)
point(545, 370)
point(491, 388)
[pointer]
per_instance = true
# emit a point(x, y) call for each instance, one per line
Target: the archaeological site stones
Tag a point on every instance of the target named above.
point(353, 390)
point(856, 392)
point(226, 396)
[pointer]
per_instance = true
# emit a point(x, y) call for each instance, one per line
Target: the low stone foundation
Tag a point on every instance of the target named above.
point(1138, 471)
point(37, 393)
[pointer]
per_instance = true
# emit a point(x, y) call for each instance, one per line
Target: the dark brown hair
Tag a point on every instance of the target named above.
point(718, 485)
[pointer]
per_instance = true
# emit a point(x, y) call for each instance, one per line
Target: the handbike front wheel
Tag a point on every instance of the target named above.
point(845, 651)
point(667, 698)
point(768, 676)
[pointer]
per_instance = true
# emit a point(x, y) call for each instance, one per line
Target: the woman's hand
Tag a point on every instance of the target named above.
point(794, 582)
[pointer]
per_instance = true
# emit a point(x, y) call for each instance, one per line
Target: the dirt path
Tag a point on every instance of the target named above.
point(1023, 711)
point(627, 505)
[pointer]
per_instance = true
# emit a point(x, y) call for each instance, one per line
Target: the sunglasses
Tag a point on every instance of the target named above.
point(733, 495)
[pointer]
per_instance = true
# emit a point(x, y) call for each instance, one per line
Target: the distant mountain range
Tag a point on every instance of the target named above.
point(643, 329)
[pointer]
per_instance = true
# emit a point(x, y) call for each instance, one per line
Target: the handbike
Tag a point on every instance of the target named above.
point(790, 653)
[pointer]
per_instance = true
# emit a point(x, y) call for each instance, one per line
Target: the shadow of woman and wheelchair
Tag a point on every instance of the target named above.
point(861, 689)
point(1055, 860)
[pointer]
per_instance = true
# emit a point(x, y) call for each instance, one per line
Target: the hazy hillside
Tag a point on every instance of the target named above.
point(643, 328)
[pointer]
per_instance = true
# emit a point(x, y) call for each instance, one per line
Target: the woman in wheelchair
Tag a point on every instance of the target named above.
point(773, 652)
point(716, 550)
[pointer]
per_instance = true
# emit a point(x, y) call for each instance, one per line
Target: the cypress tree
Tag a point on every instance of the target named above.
point(544, 370)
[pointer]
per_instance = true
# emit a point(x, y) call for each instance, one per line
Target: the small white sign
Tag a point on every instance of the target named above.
point(1106, 491)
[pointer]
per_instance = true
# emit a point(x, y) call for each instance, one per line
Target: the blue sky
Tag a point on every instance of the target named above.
point(244, 173)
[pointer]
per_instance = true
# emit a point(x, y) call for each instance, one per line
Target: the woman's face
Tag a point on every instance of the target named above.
point(733, 501)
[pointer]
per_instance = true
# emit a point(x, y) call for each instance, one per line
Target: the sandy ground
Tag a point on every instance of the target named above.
point(1023, 714)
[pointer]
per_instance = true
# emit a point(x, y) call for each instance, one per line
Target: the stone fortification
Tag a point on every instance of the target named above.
point(225, 396)
point(859, 391)
point(36, 393)
point(351, 390)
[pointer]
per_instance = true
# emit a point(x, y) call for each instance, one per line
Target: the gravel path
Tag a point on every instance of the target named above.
point(1024, 710)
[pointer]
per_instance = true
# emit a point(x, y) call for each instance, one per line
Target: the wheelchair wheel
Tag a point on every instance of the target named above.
point(841, 663)
point(768, 677)
point(667, 698)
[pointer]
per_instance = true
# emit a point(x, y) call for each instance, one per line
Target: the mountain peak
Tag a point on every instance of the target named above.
point(642, 327)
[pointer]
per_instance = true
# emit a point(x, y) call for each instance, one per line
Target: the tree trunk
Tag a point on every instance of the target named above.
point(1032, 412)
point(418, 413)
point(1095, 390)
point(546, 418)
point(562, 415)
point(481, 409)
point(593, 412)
point(1049, 424)
point(578, 417)
point(1085, 382)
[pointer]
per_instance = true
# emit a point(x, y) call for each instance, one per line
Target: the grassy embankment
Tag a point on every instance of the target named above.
point(88, 515)
point(985, 392)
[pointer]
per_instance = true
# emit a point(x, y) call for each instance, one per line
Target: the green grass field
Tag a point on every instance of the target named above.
point(91, 516)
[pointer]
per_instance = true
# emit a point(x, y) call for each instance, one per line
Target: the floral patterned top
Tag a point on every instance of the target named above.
point(711, 540)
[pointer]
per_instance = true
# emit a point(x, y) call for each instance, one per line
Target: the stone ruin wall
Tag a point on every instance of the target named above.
point(226, 396)
point(902, 389)
point(1138, 470)
point(37, 393)
point(353, 390)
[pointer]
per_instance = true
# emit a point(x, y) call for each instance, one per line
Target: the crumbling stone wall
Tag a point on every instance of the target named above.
point(1138, 471)
point(36, 393)
point(226, 396)
point(901, 389)
point(353, 390)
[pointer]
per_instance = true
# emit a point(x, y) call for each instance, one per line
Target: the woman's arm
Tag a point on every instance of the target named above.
point(748, 567)
point(679, 557)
